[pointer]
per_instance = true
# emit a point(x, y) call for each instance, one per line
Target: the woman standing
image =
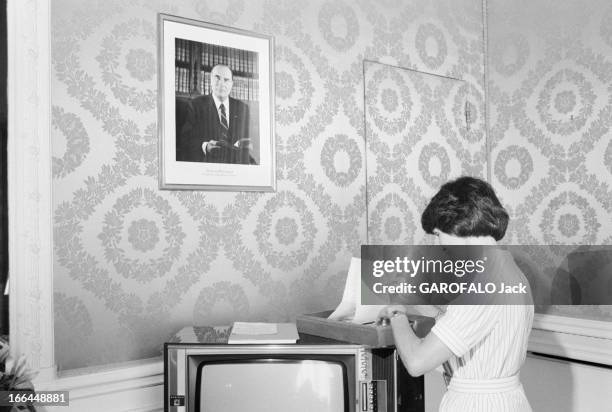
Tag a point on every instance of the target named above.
point(482, 347)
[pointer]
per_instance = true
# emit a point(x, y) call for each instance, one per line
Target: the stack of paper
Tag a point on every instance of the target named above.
point(350, 308)
point(262, 333)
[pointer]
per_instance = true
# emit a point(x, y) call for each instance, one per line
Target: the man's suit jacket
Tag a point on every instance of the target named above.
point(202, 124)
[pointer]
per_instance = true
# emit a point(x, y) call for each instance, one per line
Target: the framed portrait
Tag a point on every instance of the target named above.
point(216, 107)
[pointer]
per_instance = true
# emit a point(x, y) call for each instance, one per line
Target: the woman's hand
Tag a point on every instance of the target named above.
point(419, 355)
point(388, 311)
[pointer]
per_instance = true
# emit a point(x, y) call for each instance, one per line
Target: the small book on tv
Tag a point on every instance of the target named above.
point(262, 333)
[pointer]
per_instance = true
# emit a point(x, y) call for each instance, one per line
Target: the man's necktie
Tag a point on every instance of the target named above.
point(223, 116)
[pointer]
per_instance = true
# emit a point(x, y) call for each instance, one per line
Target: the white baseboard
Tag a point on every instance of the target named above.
point(572, 338)
point(148, 399)
point(575, 326)
point(138, 387)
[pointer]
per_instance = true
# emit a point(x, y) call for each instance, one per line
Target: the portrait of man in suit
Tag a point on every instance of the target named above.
point(214, 128)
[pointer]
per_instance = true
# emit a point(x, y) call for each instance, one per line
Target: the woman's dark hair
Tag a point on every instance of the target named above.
point(466, 207)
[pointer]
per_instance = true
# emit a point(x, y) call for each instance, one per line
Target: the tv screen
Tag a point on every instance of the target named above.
point(272, 385)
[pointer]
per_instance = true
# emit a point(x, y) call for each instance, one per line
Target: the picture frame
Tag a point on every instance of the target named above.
point(215, 107)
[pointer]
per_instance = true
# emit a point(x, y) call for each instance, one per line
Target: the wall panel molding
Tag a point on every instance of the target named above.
point(29, 184)
point(133, 387)
point(572, 338)
point(576, 326)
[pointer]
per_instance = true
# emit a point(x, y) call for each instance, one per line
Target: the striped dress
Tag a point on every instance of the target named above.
point(489, 344)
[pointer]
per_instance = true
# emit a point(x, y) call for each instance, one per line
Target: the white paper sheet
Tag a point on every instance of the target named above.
point(350, 307)
point(254, 328)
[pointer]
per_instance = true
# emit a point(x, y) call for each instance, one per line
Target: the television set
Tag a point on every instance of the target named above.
point(290, 377)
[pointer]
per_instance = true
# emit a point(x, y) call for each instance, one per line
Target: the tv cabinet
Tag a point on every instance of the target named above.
point(409, 393)
point(403, 392)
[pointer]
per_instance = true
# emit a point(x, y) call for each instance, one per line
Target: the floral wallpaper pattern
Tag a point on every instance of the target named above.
point(417, 138)
point(550, 115)
point(129, 256)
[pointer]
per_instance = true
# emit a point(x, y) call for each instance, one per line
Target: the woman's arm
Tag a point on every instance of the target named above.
point(419, 356)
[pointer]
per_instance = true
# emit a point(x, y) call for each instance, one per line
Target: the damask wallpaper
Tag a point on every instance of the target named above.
point(134, 264)
point(550, 106)
point(417, 138)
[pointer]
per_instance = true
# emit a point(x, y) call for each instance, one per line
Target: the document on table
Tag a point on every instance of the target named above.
point(261, 333)
point(254, 328)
